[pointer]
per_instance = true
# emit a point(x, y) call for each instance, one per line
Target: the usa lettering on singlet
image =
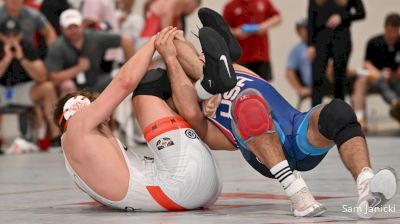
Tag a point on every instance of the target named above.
point(223, 115)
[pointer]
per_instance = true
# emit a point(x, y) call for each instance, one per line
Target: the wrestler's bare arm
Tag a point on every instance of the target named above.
point(186, 101)
point(120, 87)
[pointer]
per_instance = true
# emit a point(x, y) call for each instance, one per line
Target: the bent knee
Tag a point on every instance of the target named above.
point(66, 87)
point(338, 122)
point(48, 87)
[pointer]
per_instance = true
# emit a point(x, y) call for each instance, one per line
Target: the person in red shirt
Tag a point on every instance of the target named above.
point(32, 3)
point(250, 20)
point(162, 13)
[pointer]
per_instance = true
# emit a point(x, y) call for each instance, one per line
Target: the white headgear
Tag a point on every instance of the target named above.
point(73, 105)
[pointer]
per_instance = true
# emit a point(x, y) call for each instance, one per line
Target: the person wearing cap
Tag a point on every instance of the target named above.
point(29, 19)
point(23, 76)
point(298, 69)
point(74, 60)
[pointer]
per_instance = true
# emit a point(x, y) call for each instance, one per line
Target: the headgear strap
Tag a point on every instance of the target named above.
point(72, 106)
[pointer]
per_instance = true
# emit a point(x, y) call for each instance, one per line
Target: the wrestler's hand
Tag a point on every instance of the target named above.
point(164, 43)
point(210, 106)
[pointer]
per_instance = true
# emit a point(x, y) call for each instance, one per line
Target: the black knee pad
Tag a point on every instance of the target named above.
point(154, 83)
point(338, 122)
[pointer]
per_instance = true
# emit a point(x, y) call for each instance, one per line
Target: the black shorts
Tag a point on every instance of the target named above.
point(160, 88)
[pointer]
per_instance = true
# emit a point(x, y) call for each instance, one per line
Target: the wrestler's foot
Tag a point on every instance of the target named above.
point(302, 201)
point(218, 73)
point(376, 192)
point(211, 18)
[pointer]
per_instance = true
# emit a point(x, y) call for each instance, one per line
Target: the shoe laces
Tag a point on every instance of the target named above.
point(302, 199)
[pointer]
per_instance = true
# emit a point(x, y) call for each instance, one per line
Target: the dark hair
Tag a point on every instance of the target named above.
point(393, 19)
point(58, 111)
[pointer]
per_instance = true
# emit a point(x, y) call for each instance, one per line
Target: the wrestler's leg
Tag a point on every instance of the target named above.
point(254, 125)
point(191, 61)
point(336, 122)
point(354, 152)
point(184, 167)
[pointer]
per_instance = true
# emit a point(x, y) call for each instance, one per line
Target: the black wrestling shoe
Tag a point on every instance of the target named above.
point(218, 73)
point(211, 18)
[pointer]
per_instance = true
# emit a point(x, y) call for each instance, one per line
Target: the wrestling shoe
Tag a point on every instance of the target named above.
point(376, 191)
point(303, 203)
point(218, 73)
point(211, 18)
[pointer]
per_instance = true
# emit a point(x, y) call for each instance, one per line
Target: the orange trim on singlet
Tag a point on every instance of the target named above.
point(164, 125)
point(163, 200)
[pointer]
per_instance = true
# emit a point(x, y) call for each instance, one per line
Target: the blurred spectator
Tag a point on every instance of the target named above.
point(250, 22)
point(29, 19)
point(74, 59)
point(163, 13)
point(131, 24)
point(75, 4)
point(383, 58)
point(101, 15)
point(52, 9)
point(298, 66)
point(299, 71)
point(329, 36)
point(32, 3)
point(23, 79)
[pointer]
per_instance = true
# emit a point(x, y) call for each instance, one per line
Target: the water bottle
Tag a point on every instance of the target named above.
point(9, 94)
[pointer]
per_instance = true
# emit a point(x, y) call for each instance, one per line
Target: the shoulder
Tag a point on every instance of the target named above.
point(59, 44)
point(231, 4)
point(299, 48)
point(31, 13)
point(97, 35)
point(377, 40)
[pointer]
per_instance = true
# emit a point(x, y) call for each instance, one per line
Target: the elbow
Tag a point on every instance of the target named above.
point(278, 19)
point(127, 82)
point(43, 76)
point(191, 115)
point(289, 73)
point(53, 78)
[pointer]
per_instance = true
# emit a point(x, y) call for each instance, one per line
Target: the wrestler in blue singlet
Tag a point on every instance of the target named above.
point(290, 124)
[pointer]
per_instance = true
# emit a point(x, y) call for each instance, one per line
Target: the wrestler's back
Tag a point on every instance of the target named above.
point(282, 112)
point(98, 161)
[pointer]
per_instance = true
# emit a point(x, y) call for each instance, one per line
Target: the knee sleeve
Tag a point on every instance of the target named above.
point(252, 116)
point(338, 122)
point(154, 83)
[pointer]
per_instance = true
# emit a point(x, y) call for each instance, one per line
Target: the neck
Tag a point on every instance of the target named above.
point(78, 43)
point(388, 41)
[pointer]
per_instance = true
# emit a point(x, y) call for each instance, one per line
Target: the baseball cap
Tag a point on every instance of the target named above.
point(10, 26)
point(303, 22)
point(70, 17)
